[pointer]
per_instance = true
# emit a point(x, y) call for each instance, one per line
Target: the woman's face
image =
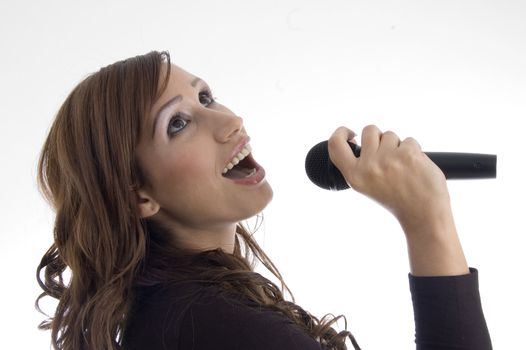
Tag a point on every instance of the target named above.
point(187, 143)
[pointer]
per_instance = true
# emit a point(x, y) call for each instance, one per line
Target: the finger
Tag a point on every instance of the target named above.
point(340, 153)
point(370, 140)
point(410, 142)
point(344, 132)
point(388, 141)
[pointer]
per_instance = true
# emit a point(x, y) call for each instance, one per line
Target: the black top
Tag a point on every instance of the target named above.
point(190, 315)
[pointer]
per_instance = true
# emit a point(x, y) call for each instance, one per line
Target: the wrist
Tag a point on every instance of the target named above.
point(434, 247)
point(432, 223)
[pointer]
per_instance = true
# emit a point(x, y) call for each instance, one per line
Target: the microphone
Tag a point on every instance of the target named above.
point(323, 173)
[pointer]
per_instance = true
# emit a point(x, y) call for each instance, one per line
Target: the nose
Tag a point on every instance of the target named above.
point(226, 126)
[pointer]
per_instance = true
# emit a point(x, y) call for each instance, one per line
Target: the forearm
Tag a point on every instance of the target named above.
point(434, 246)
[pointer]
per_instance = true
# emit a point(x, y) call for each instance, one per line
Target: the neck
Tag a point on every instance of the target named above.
point(202, 239)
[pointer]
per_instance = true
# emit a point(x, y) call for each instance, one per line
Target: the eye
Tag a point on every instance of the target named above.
point(206, 98)
point(177, 124)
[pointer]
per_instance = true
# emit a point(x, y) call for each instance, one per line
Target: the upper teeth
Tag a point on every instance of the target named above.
point(238, 157)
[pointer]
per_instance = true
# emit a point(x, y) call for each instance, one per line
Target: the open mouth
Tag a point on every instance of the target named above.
point(242, 165)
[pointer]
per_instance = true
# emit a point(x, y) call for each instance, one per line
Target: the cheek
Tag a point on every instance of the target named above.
point(190, 189)
point(191, 169)
point(188, 180)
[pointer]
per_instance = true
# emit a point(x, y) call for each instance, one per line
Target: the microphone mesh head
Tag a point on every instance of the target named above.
point(321, 171)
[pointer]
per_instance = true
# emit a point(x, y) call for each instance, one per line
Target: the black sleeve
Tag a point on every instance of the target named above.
point(448, 313)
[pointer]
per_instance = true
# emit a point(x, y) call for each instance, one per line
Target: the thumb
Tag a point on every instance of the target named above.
point(340, 153)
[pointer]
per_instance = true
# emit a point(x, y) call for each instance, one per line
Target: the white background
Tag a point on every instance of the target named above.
point(452, 74)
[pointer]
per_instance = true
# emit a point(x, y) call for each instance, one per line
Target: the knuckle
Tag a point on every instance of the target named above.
point(393, 167)
point(337, 134)
point(373, 170)
point(370, 128)
point(411, 141)
point(390, 133)
point(413, 157)
point(341, 129)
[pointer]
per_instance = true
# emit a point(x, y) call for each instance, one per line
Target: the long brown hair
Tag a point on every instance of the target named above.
point(88, 172)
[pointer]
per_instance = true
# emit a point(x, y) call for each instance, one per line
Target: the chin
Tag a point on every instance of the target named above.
point(258, 202)
point(269, 193)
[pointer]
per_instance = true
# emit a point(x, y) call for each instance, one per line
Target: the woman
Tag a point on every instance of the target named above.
point(150, 177)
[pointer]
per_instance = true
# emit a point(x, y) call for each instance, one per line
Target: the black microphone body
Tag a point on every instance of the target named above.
point(322, 172)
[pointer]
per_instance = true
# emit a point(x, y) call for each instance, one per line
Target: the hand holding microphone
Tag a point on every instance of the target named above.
point(379, 148)
point(406, 181)
point(322, 172)
point(396, 174)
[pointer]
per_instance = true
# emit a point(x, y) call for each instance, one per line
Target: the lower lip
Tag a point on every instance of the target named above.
point(255, 179)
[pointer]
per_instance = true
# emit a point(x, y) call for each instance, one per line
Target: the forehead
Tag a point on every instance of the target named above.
point(178, 81)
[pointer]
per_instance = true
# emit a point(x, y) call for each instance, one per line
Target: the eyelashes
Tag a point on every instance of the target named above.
point(179, 121)
point(177, 124)
point(207, 94)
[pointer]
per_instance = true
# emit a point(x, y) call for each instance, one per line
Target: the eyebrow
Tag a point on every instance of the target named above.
point(169, 103)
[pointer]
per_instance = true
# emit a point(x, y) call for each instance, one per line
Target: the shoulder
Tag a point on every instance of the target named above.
point(224, 321)
point(155, 316)
point(197, 317)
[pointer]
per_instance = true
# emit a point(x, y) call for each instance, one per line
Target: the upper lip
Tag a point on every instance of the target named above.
point(238, 149)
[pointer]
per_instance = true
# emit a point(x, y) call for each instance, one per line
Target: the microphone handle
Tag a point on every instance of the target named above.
point(456, 166)
point(465, 165)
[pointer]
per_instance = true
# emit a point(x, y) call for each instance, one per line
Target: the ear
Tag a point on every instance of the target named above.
point(146, 204)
